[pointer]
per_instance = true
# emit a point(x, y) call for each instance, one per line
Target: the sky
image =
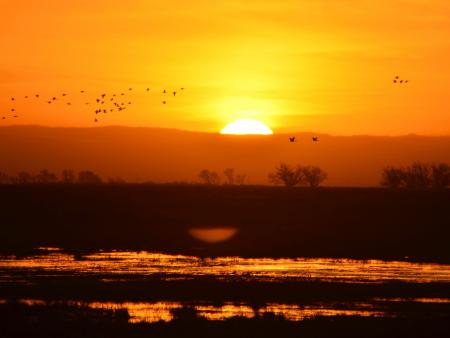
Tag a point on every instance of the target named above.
point(320, 66)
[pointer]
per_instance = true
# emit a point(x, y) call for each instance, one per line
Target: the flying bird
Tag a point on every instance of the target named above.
point(395, 81)
point(406, 81)
point(397, 77)
point(37, 95)
point(54, 98)
point(13, 110)
point(292, 139)
point(401, 81)
point(16, 116)
point(64, 94)
point(95, 120)
point(26, 96)
point(69, 104)
point(315, 139)
point(174, 93)
point(148, 89)
point(164, 102)
point(103, 95)
point(81, 91)
point(164, 91)
point(130, 88)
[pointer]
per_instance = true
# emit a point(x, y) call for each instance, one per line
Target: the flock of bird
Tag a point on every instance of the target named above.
point(108, 103)
point(104, 103)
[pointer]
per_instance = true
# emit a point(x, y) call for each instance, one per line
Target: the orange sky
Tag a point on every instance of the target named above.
point(323, 66)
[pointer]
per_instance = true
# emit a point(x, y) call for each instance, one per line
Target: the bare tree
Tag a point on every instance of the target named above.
point(287, 175)
point(68, 176)
point(46, 177)
point(229, 174)
point(241, 179)
point(25, 177)
point(88, 177)
point(393, 177)
point(314, 176)
point(5, 179)
point(440, 175)
point(209, 177)
point(417, 176)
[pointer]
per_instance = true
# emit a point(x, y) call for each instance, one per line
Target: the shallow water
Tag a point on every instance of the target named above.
point(128, 264)
point(152, 312)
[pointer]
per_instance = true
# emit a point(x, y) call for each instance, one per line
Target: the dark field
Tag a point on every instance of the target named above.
point(272, 222)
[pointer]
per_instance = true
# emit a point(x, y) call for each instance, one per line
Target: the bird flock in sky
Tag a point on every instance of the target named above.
point(117, 102)
point(102, 103)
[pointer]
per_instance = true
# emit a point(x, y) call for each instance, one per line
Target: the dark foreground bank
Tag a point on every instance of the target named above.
point(275, 222)
point(18, 320)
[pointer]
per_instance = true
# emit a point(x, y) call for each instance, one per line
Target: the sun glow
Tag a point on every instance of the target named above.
point(246, 127)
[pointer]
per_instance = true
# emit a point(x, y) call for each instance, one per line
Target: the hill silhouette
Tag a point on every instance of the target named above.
point(167, 155)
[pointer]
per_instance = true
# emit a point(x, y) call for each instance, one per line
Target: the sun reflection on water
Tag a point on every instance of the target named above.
point(123, 264)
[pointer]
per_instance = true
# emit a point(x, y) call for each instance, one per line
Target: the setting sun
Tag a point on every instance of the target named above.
point(246, 127)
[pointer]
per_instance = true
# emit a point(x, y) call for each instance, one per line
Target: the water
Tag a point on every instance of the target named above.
point(128, 264)
point(123, 266)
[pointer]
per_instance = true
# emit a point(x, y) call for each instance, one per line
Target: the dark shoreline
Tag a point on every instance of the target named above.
point(361, 223)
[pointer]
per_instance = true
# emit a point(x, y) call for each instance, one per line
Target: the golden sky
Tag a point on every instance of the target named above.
point(315, 65)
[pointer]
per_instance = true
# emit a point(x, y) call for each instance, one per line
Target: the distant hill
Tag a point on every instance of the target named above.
point(166, 155)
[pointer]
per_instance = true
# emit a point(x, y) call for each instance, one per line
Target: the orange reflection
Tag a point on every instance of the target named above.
point(212, 235)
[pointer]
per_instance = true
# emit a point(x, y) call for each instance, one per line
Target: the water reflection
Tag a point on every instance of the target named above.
point(163, 311)
point(212, 235)
point(114, 265)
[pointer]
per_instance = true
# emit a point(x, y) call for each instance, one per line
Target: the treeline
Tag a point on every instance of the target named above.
point(418, 176)
point(46, 177)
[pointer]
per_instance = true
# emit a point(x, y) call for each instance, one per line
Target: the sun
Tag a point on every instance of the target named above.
point(246, 127)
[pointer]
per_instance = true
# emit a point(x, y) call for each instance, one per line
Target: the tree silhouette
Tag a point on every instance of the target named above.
point(5, 179)
point(209, 177)
point(229, 174)
point(393, 177)
point(287, 175)
point(417, 176)
point(240, 179)
point(25, 178)
point(440, 175)
point(88, 177)
point(68, 176)
point(314, 176)
point(46, 177)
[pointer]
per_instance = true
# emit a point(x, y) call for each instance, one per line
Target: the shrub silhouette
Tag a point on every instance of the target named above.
point(88, 177)
point(209, 177)
point(418, 175)
point(287, 175)
point(313, 175)
point(68, 176)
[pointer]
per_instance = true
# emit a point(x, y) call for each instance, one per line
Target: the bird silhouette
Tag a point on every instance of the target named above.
point(164, 102)
point(16, 116)
point(69, 104)
point(95, 120)
point(406, 81)
point(174, 93)
point(3, 118)
point(37, 95)
point(397, 77)
point(13, 110)
point(26, 96)
point(12, 99)
point(81, 91)
point(182, 88)
point(164, 91)
point(98, 100)
point(130, 88)
point(315, 139)
point(401, 81)
point(103, 95)
point(49, 102)
point(148, 89)
point(395, 81)
point(292, 139)
point(54, 98)
point(64, 94)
